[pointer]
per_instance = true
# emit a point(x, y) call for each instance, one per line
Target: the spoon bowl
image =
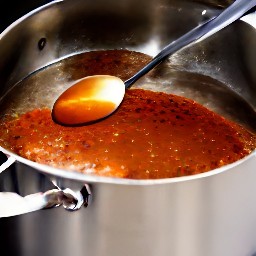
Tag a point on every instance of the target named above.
point(88, 100)
point(96, 97)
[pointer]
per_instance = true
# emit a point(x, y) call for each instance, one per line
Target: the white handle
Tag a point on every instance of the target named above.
point(12, 204)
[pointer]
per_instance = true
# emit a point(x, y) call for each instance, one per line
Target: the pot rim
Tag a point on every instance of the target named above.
point(27, 15)
point(86, 178)
point(249, 18)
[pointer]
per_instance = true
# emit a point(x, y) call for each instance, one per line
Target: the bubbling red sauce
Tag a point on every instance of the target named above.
point(152, 135)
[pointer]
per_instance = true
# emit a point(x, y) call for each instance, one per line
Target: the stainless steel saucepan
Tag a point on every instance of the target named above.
point(209, 214)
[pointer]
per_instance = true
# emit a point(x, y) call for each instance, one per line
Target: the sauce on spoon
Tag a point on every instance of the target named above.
point(88, 100)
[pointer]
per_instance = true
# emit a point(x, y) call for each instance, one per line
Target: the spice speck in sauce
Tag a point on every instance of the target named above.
point(152, 135)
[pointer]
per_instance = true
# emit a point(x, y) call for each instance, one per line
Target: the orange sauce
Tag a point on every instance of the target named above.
point(66, 112)
point(152, 135)
point(89, 99)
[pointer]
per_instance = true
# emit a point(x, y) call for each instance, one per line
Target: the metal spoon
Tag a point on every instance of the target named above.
point(96, 97)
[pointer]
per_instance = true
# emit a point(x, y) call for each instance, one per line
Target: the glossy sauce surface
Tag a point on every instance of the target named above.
point(152, 135)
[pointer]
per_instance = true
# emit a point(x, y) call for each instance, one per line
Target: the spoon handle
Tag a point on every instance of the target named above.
point(199, 33)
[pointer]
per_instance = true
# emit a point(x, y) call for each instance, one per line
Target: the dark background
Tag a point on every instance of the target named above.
point(11, 10)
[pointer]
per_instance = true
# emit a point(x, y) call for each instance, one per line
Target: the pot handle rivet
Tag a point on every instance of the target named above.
point(72, 200)
point(87, 195)
point(41, 43)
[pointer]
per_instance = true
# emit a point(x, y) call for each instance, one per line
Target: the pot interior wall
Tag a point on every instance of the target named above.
point(209, 216)
point(217, 72)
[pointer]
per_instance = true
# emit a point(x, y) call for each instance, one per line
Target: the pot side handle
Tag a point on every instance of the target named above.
point(12, 204)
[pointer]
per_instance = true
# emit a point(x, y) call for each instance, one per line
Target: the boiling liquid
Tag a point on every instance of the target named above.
point(154, 134)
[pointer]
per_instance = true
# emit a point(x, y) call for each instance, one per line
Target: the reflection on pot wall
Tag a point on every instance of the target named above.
point(153, 220)
point(123, 18)
point(210, 216)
